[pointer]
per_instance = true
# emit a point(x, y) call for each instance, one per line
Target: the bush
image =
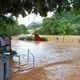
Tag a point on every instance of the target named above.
point(43, 39)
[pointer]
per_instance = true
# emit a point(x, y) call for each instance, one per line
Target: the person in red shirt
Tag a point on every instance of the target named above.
point(36, 37)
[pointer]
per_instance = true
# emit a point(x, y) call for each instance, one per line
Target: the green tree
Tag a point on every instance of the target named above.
point(64, 24)
point(23, 29)
point(10, 26)
point(16, 7)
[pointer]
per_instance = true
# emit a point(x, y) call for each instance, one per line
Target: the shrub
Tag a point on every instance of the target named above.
point(43, 39)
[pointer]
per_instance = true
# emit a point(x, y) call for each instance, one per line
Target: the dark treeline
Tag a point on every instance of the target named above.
point(16, 7)
point(61, 24)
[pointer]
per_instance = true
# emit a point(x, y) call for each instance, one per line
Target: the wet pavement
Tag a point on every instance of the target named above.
point(53, 61)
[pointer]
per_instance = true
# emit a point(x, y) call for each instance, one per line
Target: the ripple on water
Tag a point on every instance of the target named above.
point(56, 61)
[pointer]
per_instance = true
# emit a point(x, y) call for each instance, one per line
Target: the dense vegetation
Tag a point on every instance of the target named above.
point(64, 24)
point(56, 25)
point(10, 26)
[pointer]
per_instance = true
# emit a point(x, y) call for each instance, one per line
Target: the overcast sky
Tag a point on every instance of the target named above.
point(31, 18)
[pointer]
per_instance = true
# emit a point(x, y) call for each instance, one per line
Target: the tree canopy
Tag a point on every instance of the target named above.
point(16, 7)
point(64, 24)
point(10, 26)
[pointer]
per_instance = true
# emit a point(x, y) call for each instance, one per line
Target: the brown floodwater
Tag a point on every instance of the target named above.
point(53, 61)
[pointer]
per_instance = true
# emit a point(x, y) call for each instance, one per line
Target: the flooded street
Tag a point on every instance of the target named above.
point(52, 60)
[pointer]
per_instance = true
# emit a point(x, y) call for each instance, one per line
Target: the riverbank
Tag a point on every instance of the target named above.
point(66, 38)
point(60, 38)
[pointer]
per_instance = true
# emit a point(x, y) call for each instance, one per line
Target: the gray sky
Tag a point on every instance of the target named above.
point(32, 18)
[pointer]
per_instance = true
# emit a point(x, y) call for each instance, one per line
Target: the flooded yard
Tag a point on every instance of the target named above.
point(53, 61)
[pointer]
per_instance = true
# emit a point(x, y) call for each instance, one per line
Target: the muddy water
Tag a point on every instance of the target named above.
point(53, 61)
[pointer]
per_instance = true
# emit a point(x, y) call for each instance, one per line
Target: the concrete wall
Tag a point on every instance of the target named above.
point(2, 68)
